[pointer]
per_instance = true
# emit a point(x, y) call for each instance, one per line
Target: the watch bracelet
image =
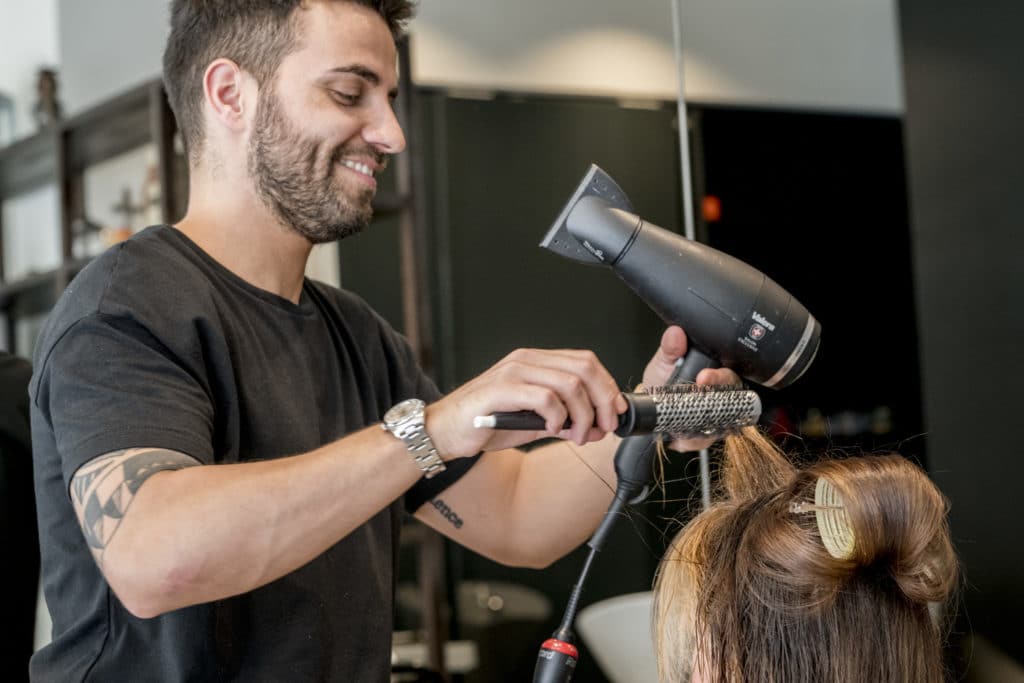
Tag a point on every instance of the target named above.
point(423, 451)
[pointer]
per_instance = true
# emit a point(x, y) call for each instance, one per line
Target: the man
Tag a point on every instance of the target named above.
point(221, 502)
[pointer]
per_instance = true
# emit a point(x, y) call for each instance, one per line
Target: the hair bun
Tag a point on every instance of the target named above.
point(883, 513)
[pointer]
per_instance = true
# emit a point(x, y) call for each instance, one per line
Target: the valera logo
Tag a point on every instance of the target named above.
point(757, 332)
point(763, 320)
point(594, 250)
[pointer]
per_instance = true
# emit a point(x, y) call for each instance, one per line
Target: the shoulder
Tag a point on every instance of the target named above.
point(153, 263)
point(158, 265)
point(144, 280)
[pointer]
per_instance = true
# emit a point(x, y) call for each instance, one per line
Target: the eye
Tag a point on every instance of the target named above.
point(344, 98)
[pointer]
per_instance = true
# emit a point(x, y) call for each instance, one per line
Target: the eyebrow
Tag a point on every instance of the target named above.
point(364, 72)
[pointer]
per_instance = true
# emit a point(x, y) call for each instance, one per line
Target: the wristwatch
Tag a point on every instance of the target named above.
point(405, 421)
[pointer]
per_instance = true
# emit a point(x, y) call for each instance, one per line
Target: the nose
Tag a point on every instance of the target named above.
point(384, 132)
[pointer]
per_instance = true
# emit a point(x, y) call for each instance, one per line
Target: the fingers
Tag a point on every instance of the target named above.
point(577, 382)
point(688, 445)
point(557, 385)
point(673, 346)
point(718, 376)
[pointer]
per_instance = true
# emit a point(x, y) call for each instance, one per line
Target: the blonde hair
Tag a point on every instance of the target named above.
point(748, 590)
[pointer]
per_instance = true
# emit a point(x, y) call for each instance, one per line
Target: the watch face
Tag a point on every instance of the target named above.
point(402, 411)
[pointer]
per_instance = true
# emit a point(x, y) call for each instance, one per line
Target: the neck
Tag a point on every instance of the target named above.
point(239, 231)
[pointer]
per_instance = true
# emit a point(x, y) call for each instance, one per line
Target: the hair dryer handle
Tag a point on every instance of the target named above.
point(690, 365)
point(556, 662)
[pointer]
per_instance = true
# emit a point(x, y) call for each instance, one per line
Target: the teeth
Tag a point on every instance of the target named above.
point(356, 166)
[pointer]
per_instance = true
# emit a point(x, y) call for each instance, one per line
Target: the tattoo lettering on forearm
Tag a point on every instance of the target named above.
point(102, 490)
point(447, 512)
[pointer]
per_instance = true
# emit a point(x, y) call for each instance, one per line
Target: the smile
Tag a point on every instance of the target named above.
point(358, 167)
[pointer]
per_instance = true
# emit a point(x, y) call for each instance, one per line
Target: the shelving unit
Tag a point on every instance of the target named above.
point(27, 164)
point(408, 201)
point(61, 155)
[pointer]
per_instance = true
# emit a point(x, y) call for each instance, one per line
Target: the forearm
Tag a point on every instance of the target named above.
point(209, 532)
point(561, 495)
point(530, 509)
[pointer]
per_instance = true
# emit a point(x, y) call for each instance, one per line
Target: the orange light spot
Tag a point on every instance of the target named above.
point(711, 206)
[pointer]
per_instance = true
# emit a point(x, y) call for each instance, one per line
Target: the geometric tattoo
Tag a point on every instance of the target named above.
point(104, 488)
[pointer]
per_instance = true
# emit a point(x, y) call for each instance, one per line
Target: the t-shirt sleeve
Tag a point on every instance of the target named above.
point(108, 384)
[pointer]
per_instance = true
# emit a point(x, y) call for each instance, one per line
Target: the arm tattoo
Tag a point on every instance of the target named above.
point(104, 488)
point(447, 512)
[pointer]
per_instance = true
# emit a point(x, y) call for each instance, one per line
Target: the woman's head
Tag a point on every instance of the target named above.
point(831, 572)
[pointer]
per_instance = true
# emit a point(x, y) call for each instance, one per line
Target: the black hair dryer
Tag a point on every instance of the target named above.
point(733, 314)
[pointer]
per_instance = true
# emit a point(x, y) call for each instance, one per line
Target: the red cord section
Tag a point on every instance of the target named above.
point(560, 646)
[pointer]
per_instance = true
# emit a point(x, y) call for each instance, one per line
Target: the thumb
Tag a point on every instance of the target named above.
point(673, 346)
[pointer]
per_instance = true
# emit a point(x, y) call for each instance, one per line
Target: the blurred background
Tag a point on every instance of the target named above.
point(859, 152)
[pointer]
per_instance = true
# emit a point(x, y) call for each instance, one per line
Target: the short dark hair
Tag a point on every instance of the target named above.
point(255, 34)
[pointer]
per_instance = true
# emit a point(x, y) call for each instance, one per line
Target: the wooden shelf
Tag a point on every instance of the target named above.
point(110, 129)
point(22, 296)
point(61, 155)
point(96, 135)
point(28, 164)
point(37, 292)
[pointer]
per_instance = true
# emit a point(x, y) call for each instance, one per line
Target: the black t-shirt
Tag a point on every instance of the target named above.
point(155, 344)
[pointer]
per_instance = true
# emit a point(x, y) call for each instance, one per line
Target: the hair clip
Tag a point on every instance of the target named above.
point(833, 522)
point(830, 514)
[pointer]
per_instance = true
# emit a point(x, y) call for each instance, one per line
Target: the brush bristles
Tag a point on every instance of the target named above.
point(704, 410)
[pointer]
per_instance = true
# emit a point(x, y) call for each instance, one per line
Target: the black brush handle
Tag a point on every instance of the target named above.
point(640, 415)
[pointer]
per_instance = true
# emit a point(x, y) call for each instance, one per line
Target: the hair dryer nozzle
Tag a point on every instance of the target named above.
point(596, 183)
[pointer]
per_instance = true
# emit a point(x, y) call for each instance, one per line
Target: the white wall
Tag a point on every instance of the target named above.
point(28, 41)
point(831, 54)
point(31, 230)
point(108, 46)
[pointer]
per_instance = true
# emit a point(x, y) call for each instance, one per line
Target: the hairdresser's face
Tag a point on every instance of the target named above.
point(325, 126)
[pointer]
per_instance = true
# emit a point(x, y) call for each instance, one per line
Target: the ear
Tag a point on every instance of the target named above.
point(226, 94)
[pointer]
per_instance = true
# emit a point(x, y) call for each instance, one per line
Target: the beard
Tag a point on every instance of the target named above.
point(283, 165)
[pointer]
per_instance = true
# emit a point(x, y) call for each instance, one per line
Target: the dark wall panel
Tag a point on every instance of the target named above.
point(817, 201)
point(504, 169)
point(510, 166)
point(965, 94)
